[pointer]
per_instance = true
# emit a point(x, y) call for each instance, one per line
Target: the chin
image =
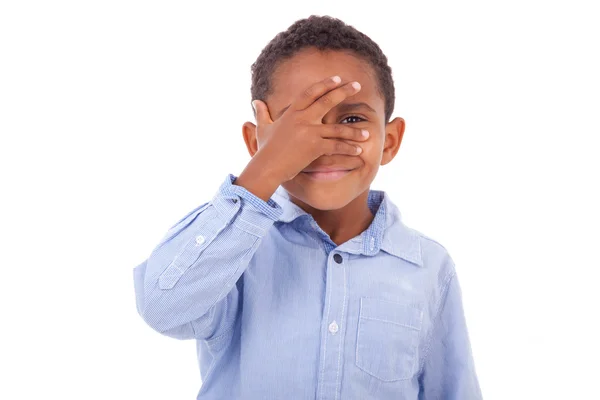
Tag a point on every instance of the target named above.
point(321, 197)
point(326, 204)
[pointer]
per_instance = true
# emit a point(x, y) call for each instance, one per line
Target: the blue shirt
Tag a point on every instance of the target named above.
point(279, 311)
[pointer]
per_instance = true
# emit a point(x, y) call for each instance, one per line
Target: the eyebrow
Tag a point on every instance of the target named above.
point(342, 107)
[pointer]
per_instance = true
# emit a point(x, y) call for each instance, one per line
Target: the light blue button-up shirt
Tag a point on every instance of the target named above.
point(279, 311)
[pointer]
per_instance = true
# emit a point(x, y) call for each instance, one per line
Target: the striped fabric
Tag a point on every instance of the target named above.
point(279, 311)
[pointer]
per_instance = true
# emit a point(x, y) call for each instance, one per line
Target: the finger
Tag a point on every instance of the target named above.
point(336, 146)
point(342, 131)
point(262, 112)
point(313, 92)
point(323, 104)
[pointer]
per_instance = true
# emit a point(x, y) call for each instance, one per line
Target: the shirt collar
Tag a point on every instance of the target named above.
point(386, 232)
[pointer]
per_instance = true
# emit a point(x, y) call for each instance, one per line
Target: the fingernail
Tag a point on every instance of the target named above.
point(356, 85)
point(358, 150)
point(336, 79)
point(365, 133)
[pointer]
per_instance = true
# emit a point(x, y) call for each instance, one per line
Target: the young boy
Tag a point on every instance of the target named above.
point(296, 279)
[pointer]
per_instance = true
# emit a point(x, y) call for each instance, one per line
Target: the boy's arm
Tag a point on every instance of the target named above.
point(187, 287)
point(448, 371)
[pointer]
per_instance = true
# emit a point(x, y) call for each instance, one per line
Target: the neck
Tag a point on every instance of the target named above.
point(345, 223)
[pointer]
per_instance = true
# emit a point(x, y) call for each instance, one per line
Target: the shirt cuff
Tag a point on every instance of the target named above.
point(233, 192)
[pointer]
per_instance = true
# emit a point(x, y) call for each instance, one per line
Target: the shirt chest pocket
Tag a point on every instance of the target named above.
point(388, 338)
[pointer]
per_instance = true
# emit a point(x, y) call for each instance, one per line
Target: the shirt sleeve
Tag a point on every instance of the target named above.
point(448, 371)
point(187, 287)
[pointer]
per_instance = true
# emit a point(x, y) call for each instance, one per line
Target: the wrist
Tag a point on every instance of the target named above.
point(258, 180)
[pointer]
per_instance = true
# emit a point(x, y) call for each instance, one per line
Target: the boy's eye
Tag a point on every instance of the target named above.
point(353, 116)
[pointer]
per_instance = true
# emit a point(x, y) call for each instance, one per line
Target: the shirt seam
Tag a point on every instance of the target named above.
point(322, 374)
point(342, 337)
point(215, 339)
point(441, 302)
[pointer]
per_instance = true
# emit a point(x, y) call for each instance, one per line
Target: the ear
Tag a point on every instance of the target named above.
point(394, 131)
point(249, 132)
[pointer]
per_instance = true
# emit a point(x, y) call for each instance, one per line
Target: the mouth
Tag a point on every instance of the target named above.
point(326, 175)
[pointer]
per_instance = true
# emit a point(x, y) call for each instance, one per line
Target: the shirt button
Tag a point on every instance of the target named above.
point(337, 258)
point(333, 327)
point(199, 239)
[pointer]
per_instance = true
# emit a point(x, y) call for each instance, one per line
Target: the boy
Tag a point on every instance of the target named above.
point(297, 280)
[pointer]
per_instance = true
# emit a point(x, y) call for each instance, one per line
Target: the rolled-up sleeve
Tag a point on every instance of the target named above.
point(187, 287)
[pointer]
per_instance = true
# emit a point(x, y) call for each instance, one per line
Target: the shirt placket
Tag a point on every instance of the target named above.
point(333, 327)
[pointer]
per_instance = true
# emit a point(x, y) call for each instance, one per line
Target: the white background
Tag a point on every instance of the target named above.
point(119, 117)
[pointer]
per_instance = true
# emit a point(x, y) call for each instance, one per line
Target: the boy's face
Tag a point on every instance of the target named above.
point(290, 79)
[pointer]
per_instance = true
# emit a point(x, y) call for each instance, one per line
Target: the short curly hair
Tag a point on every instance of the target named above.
point(324, 33)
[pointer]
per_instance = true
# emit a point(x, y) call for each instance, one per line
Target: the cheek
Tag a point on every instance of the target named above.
point(372, 151)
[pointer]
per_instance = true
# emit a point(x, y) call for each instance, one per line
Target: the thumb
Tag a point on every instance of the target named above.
point(262, 112)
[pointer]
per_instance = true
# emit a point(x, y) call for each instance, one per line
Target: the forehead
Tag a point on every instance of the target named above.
point(310, 66)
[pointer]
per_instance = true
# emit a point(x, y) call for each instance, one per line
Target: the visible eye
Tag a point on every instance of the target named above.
point(353, 116)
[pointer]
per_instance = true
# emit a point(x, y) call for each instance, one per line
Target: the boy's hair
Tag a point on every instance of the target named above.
point(324, 33)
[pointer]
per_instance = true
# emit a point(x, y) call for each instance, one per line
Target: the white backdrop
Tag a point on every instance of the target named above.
point(119, 117)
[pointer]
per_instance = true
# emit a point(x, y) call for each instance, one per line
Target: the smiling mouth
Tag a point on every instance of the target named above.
point(327, 175)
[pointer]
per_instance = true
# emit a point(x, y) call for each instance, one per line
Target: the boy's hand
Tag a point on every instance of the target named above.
point(298, 137)
point(294, 140)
